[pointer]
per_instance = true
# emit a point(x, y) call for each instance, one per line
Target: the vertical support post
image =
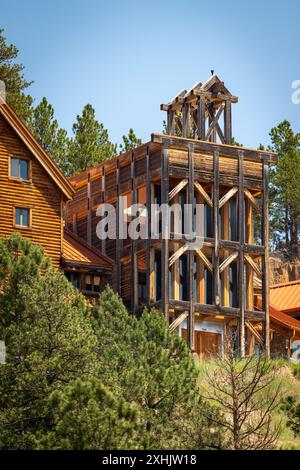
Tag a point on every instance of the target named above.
point(213, 136)
point(89, 212)
point(185, 120)
point(265, 258)
point(241, 283)
point(171, 122)
point(216, 271)
point(227, 123)
point(201, 117)
point(165, 233)
point(118, 241)
point(134, 266)
point(103, 242)
point(191, 253)
point(148, 241)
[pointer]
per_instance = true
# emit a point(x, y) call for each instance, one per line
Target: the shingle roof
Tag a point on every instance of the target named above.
point(77, 251)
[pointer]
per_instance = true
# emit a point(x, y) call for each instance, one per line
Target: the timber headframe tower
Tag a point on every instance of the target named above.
point(207, 293)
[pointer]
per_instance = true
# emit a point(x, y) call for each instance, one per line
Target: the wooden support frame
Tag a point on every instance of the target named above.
point(205, 260)
point(177, 254)
point(203, 193)
point(241, 280)
point(191, 253)
point(228, 261)
point(103, 199)
point(165, 232)
point(228, 123)
point(175, 323)
point(227, 196)
point(201, 117)
point(252, 200)
point(118, 240)
point(265, 257)
point(253, 265)
point(148, 241)
point(216, 270)
point(134, 264)
point(182, 184)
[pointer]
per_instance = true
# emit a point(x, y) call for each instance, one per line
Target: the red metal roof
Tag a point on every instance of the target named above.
point(286, 296)
point(281, 318)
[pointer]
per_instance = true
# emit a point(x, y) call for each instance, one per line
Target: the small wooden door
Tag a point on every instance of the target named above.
point(207, 345)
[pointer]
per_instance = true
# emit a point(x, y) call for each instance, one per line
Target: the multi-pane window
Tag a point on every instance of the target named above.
point(92, 283)
point(19, 168)
point(22, 217)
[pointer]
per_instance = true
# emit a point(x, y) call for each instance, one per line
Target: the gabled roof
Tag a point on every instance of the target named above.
point(77, 252)
point(36, 149)
point(286, 296)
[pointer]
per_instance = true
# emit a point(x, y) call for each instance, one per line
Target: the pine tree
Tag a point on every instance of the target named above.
point(90, 145)
point(285, 190)
point(87, 416)
point(11, 73)
point(49, 341)
point(147, 366)
point(130, 141)
point(52, 138)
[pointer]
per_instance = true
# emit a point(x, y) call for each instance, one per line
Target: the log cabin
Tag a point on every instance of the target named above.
point(206, 293)
point(33, 196)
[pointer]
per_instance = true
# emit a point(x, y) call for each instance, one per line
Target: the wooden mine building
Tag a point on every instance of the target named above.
point(208, 294)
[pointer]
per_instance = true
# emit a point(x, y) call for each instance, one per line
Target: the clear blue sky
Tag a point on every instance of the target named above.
point(127, 57)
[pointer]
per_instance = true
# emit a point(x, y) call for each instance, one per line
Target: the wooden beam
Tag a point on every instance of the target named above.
point(177, 254)
point(205, 260)
point(165, 233)
point(241, 283)
point(134, 264)
point(228, 261)
point(175, 324)
point(254, 332)
point(118, 240)
point(148, 241)
point(185, 120)
point(177, 188)
point(170, 122)
point(253, 265)
point(191, 253)
point(216, 270)
point(227, 196)
point(203, 193)
point(265, 258)
point(103, 199)
point(227, 123)
point(201, 117)
point(252, 200)
point(214, 122)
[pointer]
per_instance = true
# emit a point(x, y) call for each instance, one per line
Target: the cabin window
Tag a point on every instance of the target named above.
point(74, 278)
point(92, 283)
point(19, 168)
point(22, 217)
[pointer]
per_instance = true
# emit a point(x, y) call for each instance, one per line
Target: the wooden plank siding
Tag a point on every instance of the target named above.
point(40, 194)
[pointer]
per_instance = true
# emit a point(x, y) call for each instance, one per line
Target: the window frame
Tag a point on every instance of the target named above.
point(19, 178)
point(22, 227)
